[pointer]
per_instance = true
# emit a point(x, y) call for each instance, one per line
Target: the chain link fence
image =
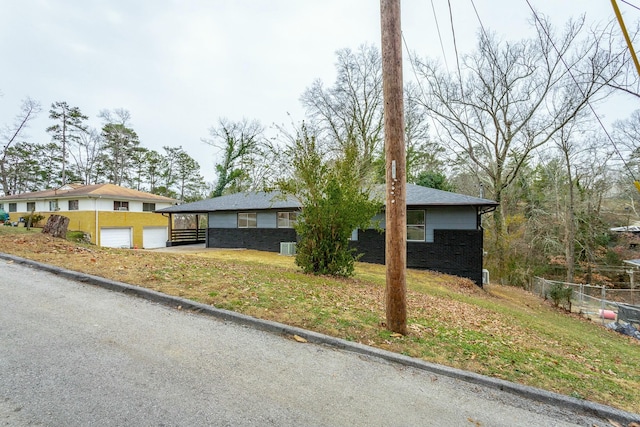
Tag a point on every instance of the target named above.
point(598, 303)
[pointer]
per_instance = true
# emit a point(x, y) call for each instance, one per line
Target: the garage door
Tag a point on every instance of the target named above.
point(154, 237)
point(115, 237)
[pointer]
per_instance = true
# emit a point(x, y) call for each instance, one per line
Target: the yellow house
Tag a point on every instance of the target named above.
point(110, 215)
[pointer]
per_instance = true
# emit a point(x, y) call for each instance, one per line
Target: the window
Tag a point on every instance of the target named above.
point(13, 207)
point(73, 205)
point(2, 206)
point(247, 220)
point(287, 219)
point(31, 206)
point(120, 206)
point(148, 207)
point(53, 205)
point(415, 226)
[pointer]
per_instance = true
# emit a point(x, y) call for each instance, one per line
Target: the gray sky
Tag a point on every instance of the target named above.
point(179, 65)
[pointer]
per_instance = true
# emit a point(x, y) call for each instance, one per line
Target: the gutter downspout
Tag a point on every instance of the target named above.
point(95, 207)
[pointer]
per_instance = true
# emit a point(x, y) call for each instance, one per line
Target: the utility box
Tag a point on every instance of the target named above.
point(287, 248)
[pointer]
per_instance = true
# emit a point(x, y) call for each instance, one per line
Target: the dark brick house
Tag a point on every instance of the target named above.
point(444, 230)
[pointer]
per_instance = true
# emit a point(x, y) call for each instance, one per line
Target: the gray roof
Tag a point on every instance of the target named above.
point(416, 196)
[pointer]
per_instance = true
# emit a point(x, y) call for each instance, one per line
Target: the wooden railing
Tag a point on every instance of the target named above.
point(188, 236)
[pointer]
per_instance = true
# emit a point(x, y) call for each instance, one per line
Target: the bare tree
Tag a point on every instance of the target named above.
point(513, 97)
point(86, 155)
point(351, 110)
point(10, 134)
point(239, 143)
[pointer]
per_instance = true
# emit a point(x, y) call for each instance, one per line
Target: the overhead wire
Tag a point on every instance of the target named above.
point(435, 17)
point(537, 18)
point(415, 71)
point(630, 4)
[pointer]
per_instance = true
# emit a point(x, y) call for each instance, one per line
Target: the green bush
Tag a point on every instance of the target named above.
point(560, 294)
point(34, 218)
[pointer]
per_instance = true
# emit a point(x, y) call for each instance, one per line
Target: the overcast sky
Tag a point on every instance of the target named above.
point(179, 65)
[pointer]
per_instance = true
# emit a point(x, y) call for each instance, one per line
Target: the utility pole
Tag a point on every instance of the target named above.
point(395, 163)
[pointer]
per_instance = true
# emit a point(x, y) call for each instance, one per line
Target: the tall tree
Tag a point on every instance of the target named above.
point(153, 169)
point(513, 97)
point(67, 131)
point(351, 110)
point(334, 202)
point(120, 143)
point(86, 155)
point(239, 143)
point(10, 135)
point(189, 182)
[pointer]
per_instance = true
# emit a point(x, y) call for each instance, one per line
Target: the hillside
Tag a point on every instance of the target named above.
point(502, 332)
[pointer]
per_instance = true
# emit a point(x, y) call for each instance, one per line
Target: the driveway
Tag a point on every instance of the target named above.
point(73, 354)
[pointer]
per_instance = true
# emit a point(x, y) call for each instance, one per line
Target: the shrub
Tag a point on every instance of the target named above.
point(34, 218)
point(560, 294)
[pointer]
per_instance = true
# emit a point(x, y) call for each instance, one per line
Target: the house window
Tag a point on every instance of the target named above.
point(247, 220)
point(73, 205)
point(2, 206)
point(53, 205)
point(120, 206)
point(31, 206)
point(415, 226)
point(13, 207)
point(287, 219)
point(148, 207)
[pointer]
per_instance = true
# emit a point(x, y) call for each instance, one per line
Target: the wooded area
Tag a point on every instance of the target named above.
point(514, 122)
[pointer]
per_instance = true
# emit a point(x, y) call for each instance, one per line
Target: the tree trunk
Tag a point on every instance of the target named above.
point(57, 226)
point(570, 236)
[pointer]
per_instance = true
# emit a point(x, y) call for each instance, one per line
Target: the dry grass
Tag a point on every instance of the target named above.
point(503, 332)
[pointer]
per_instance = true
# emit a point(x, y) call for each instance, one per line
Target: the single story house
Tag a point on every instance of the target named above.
point(444, 231)
point(110, 215)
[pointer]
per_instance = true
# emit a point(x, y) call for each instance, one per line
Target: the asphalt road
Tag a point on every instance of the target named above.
point(73, 354)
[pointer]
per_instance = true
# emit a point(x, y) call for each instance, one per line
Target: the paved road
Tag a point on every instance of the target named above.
point(73, 354)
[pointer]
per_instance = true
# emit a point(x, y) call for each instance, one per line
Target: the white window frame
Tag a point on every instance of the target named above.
point(285, 220)
point(13, 207)
point(120, 205)
point(148, 207)
point(417, 226)
point(29, 203)
point(73, 208)
point(53, 206)
point(247, 220)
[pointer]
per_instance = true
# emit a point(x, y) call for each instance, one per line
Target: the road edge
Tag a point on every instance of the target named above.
point(583, 406)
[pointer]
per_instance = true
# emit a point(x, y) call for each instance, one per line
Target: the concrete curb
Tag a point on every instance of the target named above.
point(582, 406)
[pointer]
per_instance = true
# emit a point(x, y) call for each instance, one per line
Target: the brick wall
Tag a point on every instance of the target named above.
point(261, 239)
point(457, 252)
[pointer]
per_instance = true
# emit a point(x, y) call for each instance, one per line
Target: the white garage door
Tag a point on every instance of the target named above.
point(154, 237)
point(115, 237)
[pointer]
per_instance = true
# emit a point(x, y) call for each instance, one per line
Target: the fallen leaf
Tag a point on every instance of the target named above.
point(299, 338)
point(396, 335)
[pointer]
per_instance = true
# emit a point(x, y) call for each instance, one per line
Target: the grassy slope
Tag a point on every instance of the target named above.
point(503, 332)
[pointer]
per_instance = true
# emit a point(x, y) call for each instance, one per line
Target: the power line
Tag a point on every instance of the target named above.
point(435, 17)
point(455, 44)
point(629, 4)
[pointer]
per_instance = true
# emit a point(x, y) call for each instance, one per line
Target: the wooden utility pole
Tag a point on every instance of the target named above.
point(396, 200)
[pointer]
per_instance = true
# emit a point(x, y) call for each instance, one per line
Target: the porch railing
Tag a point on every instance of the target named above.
point(187, 236)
